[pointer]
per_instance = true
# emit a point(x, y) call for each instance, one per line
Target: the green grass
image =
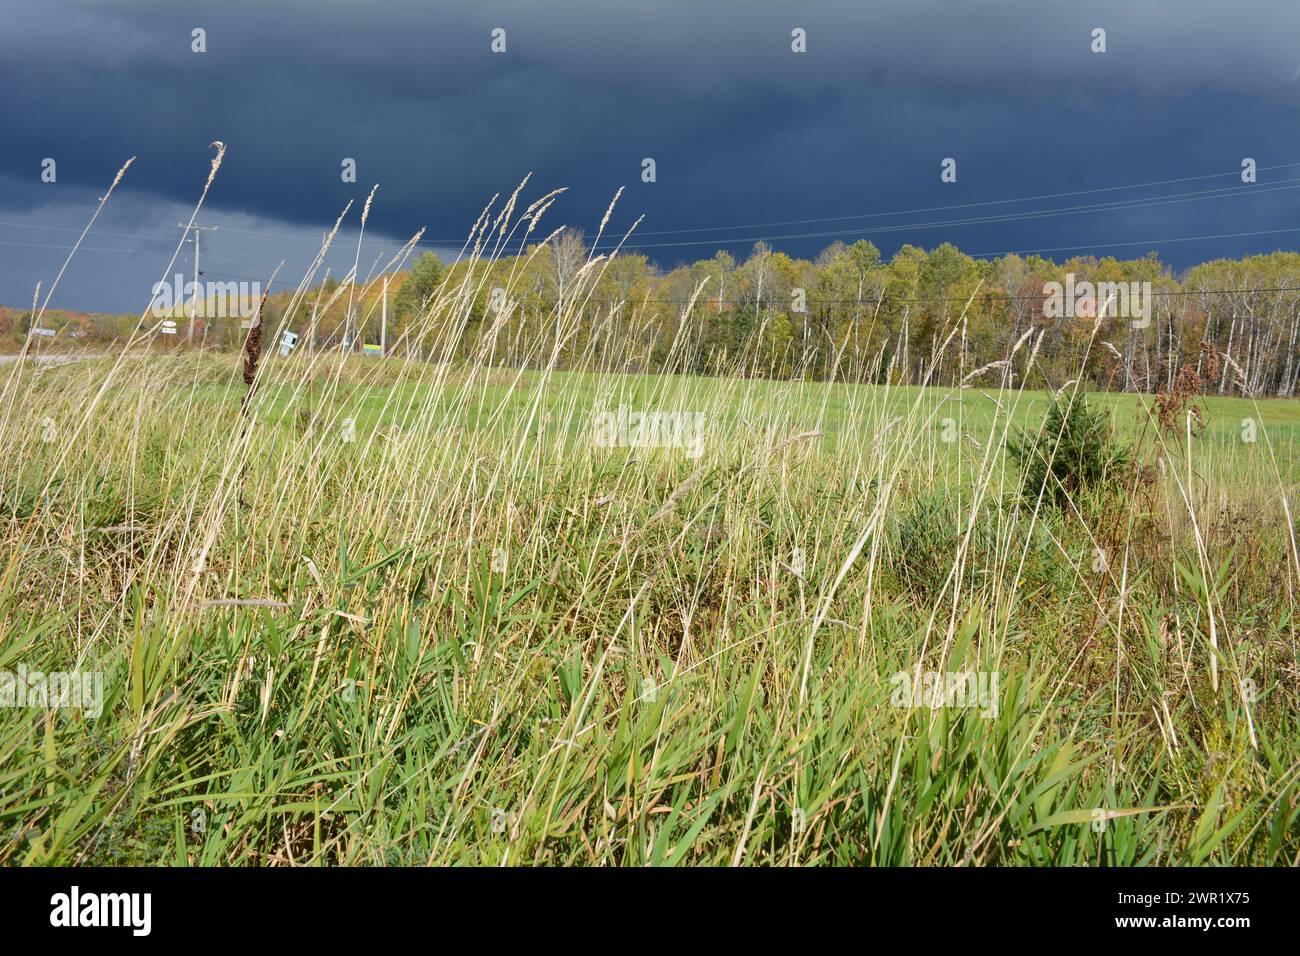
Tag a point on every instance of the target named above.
point(490, 641)
point(827, 406)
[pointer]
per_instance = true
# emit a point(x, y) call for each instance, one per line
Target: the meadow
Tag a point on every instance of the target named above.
point(407, 612)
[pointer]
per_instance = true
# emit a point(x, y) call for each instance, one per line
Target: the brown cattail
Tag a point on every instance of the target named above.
point(253, 351)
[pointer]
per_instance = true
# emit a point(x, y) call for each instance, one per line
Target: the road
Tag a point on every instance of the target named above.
point(48, 359)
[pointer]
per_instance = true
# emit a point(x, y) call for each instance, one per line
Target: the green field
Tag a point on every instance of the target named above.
point(412, 613)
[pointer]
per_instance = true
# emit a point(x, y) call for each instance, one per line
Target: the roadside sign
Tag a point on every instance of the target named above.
point(287, 341)
point(168, 327)
point(375, 351)
point(48, 333)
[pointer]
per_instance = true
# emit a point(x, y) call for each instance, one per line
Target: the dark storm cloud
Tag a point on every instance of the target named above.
point(742, 130)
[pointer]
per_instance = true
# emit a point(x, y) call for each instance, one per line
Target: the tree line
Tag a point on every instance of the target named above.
point(938, 316)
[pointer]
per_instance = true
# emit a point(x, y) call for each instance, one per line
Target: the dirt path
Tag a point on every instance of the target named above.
point(48, 359)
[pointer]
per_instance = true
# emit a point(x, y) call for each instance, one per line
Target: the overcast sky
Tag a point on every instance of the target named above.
point(745, 133)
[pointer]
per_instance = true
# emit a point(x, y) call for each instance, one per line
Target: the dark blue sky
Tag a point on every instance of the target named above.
point(745, 133)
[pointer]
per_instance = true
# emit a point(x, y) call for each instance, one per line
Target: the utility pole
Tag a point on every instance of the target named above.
point(383, 321)
point(189, 335)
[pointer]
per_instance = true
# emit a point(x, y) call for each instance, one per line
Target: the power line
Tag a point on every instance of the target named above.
point(1118, 206)
point(133, 252)
point(98, 232)
point(969, 205)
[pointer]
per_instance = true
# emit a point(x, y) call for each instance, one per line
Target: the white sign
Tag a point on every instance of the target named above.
point(169, 327)
point(48, 333)
point(287, 341)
